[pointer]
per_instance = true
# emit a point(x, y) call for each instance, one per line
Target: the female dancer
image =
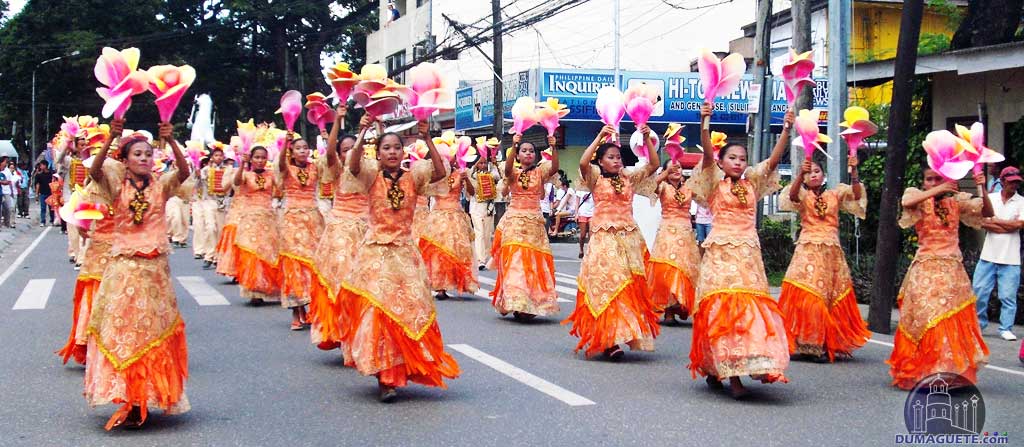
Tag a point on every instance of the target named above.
point(521, 253)
point(389, 322)
point(256, 240)
point(137, 354)
point(938, 330)
point(447, 240)
point(301, 226)
point(613, 304)
point(346, 227)
point(95, 260)
point(737, 326)
point(817, 301)
point(672, 270)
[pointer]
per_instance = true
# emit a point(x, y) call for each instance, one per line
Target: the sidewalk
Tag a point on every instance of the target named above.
point(21, 226)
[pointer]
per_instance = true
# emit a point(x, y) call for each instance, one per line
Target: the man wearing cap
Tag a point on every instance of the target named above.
point(999, 266)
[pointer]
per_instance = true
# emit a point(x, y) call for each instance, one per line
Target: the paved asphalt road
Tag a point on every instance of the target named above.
point(254, 382)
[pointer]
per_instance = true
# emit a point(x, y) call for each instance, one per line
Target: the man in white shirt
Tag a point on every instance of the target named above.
point(7, 189)
point(999, 265)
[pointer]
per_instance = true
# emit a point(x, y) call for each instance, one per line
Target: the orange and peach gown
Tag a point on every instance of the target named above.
point(257, 240)
point(389, 323)
point(419, 218)
point(613, 303)
point(301, 225)
point(817, 300)
point(95, 260)
point(447, 241)
point(938, 329)
point(737, 327)
point(521, 252)
point(137, 353)
point(346, 227)
point(673, 267)
point(227, 253)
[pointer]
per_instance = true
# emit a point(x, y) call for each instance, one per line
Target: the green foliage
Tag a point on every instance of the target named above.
point(954, 15)
point(776, 246)
point(932, 43)
point(1015, 146)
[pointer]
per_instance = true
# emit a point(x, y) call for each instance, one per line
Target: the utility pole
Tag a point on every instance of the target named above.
point(883, 291)
point(762, 60)
point(302, 89)
point(499, 94)
point(838, 53)
point(801, 12)
point(615, 15)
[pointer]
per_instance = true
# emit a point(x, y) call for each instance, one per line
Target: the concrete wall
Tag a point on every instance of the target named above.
point(400, 35)
point(958, 95)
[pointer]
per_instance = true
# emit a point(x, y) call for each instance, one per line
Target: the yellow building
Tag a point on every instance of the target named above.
point(876, 29)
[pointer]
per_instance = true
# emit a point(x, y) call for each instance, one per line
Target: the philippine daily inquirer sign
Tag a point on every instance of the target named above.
point(681, 95)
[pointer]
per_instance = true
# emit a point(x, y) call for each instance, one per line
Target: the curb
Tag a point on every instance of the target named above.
point(9, 235)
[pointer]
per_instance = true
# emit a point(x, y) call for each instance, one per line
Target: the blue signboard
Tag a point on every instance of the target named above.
point(474, 106)
point(680, 101)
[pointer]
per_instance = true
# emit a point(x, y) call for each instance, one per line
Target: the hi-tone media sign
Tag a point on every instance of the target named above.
point(474, 106)
point(680, 101)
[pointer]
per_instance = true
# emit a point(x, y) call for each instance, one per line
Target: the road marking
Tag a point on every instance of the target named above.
point(21, 258)
point(35, 294)
point(992, 367)
point(490, 281)
point(566, 276)
point(522, 376)
point(567, 281)
point(203, 293)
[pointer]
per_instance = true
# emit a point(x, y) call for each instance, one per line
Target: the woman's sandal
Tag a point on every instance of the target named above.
point(614, 353)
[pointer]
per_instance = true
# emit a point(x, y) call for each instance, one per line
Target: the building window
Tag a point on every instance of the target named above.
point(419, 50)
point(421, 2)
point(394, 62)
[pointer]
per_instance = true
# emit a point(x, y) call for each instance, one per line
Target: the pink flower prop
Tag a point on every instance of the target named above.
point(719, 77)
point(169, 84)
point(944, 155)
point(547, 154)
point(91, 211)
point(807, 126)
point(67, 211)
point(610, 106)
point(430, 91)
point(639, 146)
point(416, 151)
point(382, 103)
point(486, 146)
point(972, 142)
point(75, 124)
point(548, 114)
point(342, 80)
point(858, 127)
point(796, 74)
point(195, 151)
point(317, 110)
point(291, 107)
point(639, 102)
point(246, 135)
point(118, 72)
point(524, 115)
point(674, 142)
point(465, 153)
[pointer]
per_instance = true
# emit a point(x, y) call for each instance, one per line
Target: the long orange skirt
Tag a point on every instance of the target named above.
point(85, 289)
point(953, 345)
point(445, 271)
point(257, 278)
point(816, 327)
point(669, 285)
point(386, 351)
point(739, 333)
point(521, 255)
point(334, 258)
point(227, 252)
point(613, 304)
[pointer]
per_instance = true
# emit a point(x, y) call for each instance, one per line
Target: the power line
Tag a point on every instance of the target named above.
point(694, 8)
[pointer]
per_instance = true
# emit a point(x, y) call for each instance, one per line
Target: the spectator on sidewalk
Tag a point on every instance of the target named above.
point(7, 189)
point(701, 223)
point(999, 265)
point(41, 183)
point(23, 188)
